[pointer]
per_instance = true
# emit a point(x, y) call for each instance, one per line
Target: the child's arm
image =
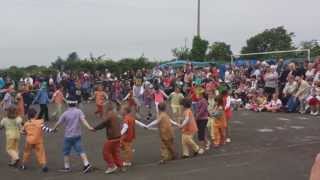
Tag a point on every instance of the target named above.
point(174, 123)
point(140, 124)
point(124, 99)
point(53, 97)
point(164, 94)
point(124, 129)
point(85, 123)
point(61, 119)
point(228, 103)
point(100, 126)
point(185, 122)
point(153, 123)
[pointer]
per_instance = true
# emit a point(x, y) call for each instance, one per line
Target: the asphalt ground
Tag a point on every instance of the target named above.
point(265, 146)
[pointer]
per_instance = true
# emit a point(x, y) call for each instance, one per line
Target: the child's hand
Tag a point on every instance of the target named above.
point(54, 131)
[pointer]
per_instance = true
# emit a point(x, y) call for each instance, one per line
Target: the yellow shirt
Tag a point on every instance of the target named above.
point(12, 127)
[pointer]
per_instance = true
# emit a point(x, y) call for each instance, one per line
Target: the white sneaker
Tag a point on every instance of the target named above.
point(201, 151)
point(228, 140)
point(111, 170)
point(208, 146)
point(127, 164)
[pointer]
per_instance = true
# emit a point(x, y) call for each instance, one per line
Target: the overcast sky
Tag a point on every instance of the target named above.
point(37, 31)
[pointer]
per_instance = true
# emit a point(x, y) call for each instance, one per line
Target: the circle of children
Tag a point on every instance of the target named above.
point(201, 101)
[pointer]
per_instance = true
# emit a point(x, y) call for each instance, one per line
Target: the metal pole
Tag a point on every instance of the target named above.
point(198, 24)
point(309, 55)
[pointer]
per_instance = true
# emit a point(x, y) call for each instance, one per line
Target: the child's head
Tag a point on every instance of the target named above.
point(177, 90)
point(157, 88)
point(12, 112)
point(274, 96)
point(224, 93)
point(125, 109)
point(72, 101)
point(32, 113)
point(100, 88)
point(219, 100)
point(162, 107)
point(186, 103)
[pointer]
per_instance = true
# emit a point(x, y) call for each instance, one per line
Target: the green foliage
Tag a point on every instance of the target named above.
point(313, 45)
point(274, 39)
point(75, 64)
point(181, 53)
point(199, 49)
point(219, 51)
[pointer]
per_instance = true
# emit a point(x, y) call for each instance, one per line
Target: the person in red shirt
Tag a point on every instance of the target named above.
point(128, 134)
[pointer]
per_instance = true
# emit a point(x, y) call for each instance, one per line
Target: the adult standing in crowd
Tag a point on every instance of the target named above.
point(42, 98)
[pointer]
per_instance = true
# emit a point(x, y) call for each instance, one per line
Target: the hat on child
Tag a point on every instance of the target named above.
point(72, 100)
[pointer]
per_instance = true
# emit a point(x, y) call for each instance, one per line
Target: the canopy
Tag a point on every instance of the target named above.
point(180, 63)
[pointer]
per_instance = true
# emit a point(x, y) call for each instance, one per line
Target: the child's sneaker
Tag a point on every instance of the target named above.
point(86, 169)
point(185, 157)
point(23, 167)
point(111, 170)
point(127, 164)
point(45, 169)
point(201, 151)
point(161, 162)
point(208, 146)
point(65, 170)
point(228, 140)
point(14, 163)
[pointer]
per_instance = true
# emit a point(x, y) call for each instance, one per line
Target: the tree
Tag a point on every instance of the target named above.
point(199, 49)
point(181, 53)
point(219, 51)
point(275, 39)
point(58, 63)
point(73, 57)
point(313, 45)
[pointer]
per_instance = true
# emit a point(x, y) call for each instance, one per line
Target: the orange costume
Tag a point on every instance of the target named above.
point(34, 141)
point(128, 137)
point(100, 97)
point(188, 131)
point(219, 126)
point(20, 105)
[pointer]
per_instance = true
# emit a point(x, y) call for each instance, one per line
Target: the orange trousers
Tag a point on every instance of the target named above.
point(127, 151)
point(39, 150)
point(219, 135)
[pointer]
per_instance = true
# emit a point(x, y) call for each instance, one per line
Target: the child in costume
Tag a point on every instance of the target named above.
point(58, 100)
point(33, 130)
point(228, 112)
point(189, 129)
point(100, 97)
point(12, 125)
point(164, 124)
point(128, 134)
point(219, 123)
point(175, 102)
point(159, 97)
point(111, 148)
